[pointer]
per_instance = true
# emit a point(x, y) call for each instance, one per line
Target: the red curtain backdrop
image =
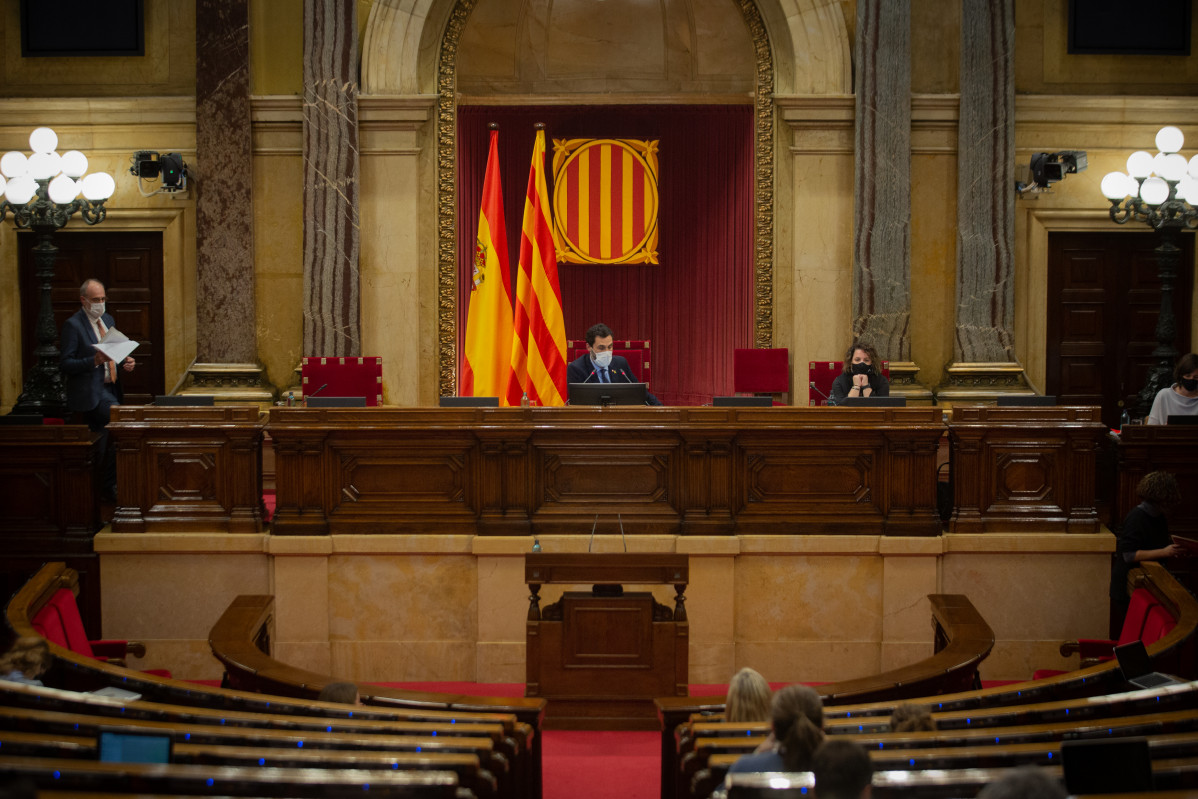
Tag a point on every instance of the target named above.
point(696, 305)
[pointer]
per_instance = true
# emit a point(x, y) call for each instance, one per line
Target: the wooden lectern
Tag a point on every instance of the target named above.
point(602, 656)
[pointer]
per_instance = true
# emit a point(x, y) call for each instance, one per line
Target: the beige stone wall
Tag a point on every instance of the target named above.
point(449, 608)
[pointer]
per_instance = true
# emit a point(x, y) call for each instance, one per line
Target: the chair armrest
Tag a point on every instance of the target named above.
point(111, 648)
point(1096, 648)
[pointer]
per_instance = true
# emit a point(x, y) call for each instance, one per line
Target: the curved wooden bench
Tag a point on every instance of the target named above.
point(521, 717)
point(962, 640)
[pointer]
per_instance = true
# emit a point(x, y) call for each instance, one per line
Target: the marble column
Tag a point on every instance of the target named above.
point(984, 363)
point(882, 191)
point(226, 335)
point(332, 324)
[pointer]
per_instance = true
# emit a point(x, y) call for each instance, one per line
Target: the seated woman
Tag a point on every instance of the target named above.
point(797, 719)
point(862, 375)
point(748, 697)
point(1180, 399)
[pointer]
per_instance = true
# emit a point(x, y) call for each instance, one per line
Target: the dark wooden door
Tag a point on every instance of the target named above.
point(1103, 302)
point(129, 264)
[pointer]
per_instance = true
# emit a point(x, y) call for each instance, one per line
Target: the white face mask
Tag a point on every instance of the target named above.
point(603, 359)
point(94, 310)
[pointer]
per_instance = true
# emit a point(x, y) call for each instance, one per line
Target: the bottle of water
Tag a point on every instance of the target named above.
point(1125, 419)
point(524, 401)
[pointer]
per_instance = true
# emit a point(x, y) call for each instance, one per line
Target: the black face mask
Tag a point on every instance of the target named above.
point(1189, 384)
point(860, 368)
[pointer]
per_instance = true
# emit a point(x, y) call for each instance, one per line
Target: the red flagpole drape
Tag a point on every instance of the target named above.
point(696, 305)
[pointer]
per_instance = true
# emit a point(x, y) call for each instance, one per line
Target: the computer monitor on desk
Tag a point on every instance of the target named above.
point(335, 402)
point(873, 402)
point(608, 393)
point(1026, 400)
point(469, 402)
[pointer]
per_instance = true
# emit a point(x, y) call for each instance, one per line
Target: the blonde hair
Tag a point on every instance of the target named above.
point(28, 654)
point(748, 697)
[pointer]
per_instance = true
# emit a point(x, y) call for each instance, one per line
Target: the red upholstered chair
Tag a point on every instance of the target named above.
point(635, 351)
point(761, 371)
point(343, 377)
point(1146, 619)
point(59, 622)
point(822, 374)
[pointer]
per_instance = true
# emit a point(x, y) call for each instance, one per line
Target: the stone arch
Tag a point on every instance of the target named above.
point(802, 48)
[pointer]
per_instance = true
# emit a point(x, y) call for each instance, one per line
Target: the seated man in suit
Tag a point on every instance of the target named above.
point(600, 363)
point(92, 379)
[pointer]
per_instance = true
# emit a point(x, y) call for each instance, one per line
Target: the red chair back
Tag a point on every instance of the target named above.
point(635, 351)
point(761, 371)
point(343, 377)
point(822, 374)
point(59, 622)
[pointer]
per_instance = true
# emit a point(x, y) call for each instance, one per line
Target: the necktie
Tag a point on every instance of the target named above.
point(603, 375)
point(109, 366)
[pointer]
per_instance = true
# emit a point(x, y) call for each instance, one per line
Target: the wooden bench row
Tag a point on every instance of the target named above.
point(502, 735)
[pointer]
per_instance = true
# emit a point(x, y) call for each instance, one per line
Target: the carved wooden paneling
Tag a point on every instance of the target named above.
point(1150, 448)
point(1013, 465)
point(47, 489)
point(188, 469)
point(515, 471)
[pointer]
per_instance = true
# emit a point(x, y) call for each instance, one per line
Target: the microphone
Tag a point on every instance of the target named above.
point(827, 399)
point(592, 541)
point(317, 391)
point(627, 378)
point(592, 374)
point(622, 538)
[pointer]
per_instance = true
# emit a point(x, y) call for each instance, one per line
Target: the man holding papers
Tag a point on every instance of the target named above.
point(92, 349)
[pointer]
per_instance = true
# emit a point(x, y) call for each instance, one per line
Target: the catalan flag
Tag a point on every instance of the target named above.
point(487, 371)
point(539, 343)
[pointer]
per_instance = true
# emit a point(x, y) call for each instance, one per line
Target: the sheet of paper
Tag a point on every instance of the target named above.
point(116, 345)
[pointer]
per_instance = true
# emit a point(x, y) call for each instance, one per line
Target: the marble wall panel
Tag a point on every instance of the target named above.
point(810, 661)
point(225, 322)
point(404, 661)
point(301, 589)
point(420, 599)
point(163, 595)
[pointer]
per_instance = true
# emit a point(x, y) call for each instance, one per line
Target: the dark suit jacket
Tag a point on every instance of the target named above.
point(582, 370)
point(84, 380)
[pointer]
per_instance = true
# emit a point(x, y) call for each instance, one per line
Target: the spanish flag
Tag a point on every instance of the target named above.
point(487, 371)
point(539, 344)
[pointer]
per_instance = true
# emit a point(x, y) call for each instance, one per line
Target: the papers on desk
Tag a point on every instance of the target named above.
point(116, 345)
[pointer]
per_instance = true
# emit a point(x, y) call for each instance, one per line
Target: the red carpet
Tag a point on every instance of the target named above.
point(601, 765)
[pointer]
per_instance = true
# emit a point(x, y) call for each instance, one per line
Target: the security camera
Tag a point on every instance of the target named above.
point(1049, 168)
point(169, 168)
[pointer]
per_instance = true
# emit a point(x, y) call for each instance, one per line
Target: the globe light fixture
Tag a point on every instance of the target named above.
point(1161, 191)
point(42, 193)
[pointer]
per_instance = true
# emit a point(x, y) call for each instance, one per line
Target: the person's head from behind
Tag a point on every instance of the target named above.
point(1186, 372)
point(861, 359)
point(912, 718)
point(29, 655)
point(842, 770)
point(748, 697)
point(1024, 783)
point(344, 692)
point(797, 720)
point(1160, 489)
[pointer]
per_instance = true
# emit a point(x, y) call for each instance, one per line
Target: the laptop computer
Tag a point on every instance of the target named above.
point(120, 745)
point(1137, 666)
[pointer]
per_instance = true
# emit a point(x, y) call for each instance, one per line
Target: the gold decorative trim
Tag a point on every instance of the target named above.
point(229, 382)
point(763, 211)
point(982, 381)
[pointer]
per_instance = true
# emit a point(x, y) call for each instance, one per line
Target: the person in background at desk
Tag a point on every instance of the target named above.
point(1145, 535)
point(92, 379)
point(600, 364)
point(862, 375)
point(1180, 399)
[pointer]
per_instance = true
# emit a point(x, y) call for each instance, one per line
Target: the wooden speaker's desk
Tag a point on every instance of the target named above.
point(602, 657)
point(677, 470)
